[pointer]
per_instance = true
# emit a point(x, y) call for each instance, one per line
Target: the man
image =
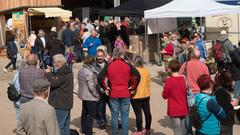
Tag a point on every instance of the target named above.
point(37, 117)
point(236, 71)
point(193, 69)
point(92, 43)
point(119, 79)
point(68, 36)
point(40, 42)
point(99, 64)
point(55, 46)
point(201, 47)
point(61, 92)
point(228, 48)
point(26, 77)
point(89, 26)
point(60, 32)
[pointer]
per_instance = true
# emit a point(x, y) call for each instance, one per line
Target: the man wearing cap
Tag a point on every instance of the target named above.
point(37, 117)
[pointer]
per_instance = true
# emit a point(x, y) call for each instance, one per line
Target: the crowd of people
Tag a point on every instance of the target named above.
point(44, 78)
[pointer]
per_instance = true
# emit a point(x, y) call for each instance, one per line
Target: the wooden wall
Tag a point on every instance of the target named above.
point(11, 4)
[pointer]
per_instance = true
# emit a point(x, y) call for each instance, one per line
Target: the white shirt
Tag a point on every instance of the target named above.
point(44, 41)
point(101, 64)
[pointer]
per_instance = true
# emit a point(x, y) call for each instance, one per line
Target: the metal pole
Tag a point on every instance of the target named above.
point(238, 27)
point(146, 50)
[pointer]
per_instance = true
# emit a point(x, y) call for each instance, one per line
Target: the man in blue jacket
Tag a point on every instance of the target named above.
point(91, 43)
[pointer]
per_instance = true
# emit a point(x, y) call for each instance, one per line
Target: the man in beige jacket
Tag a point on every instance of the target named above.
point(37, 117)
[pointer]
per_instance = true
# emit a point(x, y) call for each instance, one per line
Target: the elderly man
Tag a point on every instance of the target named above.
point(123, 79)
point(91, 43)
point(61, 92)
point(27, 75)
point(37, 117)
point(193, 69)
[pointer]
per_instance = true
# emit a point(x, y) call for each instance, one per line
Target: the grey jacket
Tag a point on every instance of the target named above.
point(228, 47)
point(37, 117)
point(87, 83)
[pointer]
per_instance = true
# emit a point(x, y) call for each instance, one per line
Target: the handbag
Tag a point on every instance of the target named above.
point(190, 95)
point(12, 92)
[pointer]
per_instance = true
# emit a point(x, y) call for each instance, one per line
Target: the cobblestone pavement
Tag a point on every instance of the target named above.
point(160, 123)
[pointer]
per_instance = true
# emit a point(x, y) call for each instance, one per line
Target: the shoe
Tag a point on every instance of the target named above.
point(146, 131)
point(102, 128)
point(137, 133)
point(5, 70)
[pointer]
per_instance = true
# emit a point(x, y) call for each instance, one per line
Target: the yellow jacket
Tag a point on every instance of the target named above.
point(143, 89)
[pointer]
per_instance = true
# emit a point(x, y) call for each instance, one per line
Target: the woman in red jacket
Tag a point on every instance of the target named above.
point(175, 92)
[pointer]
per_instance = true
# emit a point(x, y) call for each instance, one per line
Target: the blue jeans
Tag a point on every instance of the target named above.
point(63, 118)
point(237, 89)
point(120, 105)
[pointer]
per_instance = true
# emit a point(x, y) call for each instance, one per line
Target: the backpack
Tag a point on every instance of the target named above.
point(74, 132)
point(194, 116)
point(12, 92)
point(219, 53)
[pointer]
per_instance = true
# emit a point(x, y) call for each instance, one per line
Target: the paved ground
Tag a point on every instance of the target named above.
point(160, 123)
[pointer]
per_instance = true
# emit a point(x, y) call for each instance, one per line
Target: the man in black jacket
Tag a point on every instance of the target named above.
point(40, 42)
point(55, 46)
point(236, 71)
point(61, 92)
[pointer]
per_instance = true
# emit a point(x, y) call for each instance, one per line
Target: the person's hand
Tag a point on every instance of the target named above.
point(48, 70)
point(107, 91)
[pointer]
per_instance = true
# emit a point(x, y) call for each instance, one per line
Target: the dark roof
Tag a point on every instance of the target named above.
point(133, 8)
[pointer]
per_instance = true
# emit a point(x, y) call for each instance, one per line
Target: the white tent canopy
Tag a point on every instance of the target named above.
point(191, 8)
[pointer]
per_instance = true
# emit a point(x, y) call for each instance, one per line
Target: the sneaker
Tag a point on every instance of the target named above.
point(137, 133)
point(5, 70)
point(146, 131)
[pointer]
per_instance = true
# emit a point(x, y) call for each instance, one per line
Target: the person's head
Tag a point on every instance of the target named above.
point(205, 83)
point(88, 60)
point(196, 54)
point(138, 61)
point(59, 61)
point(119, 37)
point(32, 32)
point(174, 66)
point(41, 33)
point(100, 56)
point(118, 53)
point(31, 59)
point(20, 64)
point(64, 27)
point(94, 33)
point(11, 37)
point(83, 25)
point(69, 50)
point(173, 37)
point(196, 35)
point(40, 88)
point(224, 79)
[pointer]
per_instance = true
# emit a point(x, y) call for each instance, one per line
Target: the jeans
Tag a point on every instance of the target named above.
point(63, 118)
point(101, 109)
point(139, 105)
point(88, 115)
point(12, 62)
point(70, 67)
point(120, 105)
point(237, 89)
point(178, 125)
point(188, 126)
point(17, 108)
point(24, 99)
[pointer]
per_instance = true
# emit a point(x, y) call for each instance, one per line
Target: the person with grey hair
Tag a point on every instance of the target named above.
point(61, 92)
point(15, 81)
point(37, 117)
point(141, 99)
point(123, 79)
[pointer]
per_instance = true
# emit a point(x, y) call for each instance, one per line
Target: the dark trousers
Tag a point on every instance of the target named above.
point(12, 62)
point(101, 109)
point(63, 118)
point(88, 115)
point(226, 130)
point(78, 53)
point(139, 105)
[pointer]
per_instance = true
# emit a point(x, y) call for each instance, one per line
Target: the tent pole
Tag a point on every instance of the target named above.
point(158, 47)
point(238, 27)
point(146, 50)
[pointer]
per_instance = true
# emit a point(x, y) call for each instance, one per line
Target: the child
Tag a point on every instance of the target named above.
point(119, 43)
point(70, 58)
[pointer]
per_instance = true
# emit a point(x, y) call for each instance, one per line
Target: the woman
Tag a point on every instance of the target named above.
point(12, 52)
point(208, 109)
point(175, 92)
point(87, 80)
point(223, 85)
point(140, 101)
